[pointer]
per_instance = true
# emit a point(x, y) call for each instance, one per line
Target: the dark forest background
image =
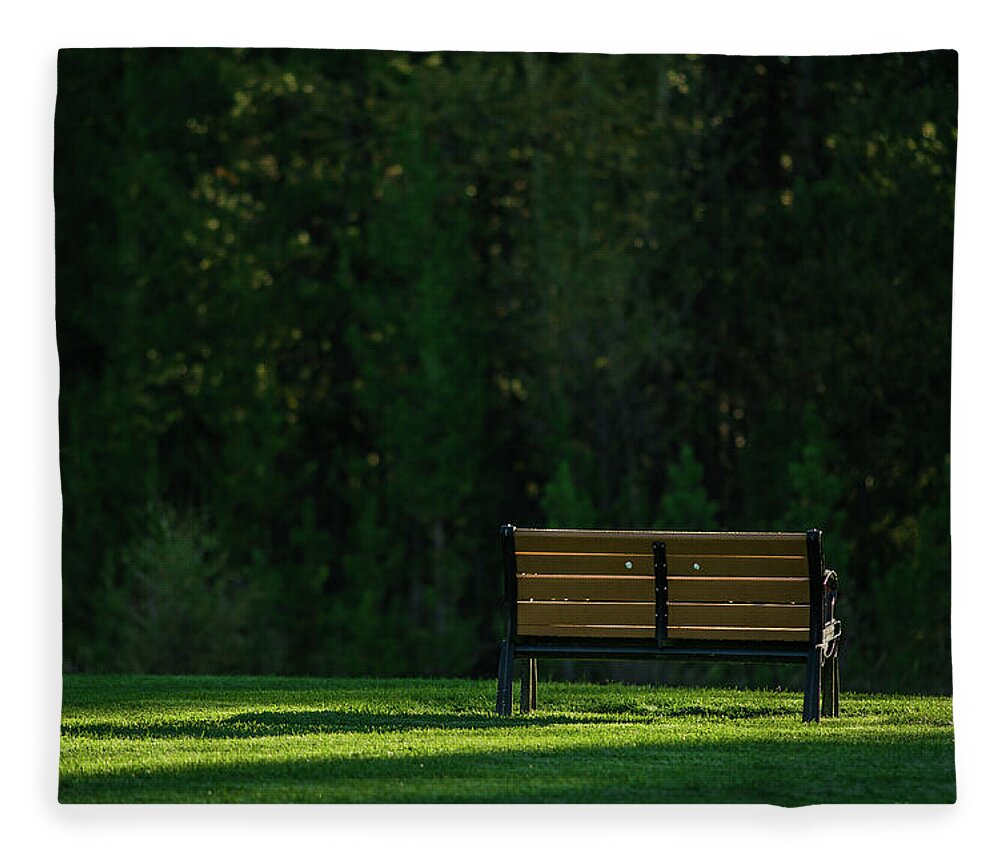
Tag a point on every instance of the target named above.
point(326, 319)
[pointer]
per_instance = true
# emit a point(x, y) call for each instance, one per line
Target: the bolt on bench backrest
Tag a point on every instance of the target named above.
point(725, 586)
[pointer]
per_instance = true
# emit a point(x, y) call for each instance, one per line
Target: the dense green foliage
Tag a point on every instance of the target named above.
point(267, 740)
point(326, 319)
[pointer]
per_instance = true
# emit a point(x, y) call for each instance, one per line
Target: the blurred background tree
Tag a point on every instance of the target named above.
point(685, 505)
point(327, 318)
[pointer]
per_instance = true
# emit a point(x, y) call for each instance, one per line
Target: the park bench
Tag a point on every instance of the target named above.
point(730, 596)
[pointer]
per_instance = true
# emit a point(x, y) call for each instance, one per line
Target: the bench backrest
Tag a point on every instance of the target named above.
point(735, 586)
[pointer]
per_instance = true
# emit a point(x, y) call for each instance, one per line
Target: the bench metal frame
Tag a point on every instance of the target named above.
point(820, 654)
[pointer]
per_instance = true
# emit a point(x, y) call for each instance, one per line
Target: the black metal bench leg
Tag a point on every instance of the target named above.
point(529, 686)
point(810, 704)
point(525, 686)
point(831, 683)
point(835, 684)
point(505, 680)
point(826, 671)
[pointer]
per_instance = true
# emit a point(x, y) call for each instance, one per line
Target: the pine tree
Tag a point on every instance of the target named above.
point(685, 505)
point(564, 504)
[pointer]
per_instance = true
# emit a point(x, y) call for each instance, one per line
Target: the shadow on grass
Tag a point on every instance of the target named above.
point(274, 723)
point(809, 770)
point(729, 711)
point(252, 724)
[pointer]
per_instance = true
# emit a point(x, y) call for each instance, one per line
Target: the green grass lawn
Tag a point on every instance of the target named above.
point(262, 740)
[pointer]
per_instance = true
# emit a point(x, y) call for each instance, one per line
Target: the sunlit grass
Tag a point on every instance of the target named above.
point(215, 739)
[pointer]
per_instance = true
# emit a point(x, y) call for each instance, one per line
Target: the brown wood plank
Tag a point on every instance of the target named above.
point(736, 615)
point(681, 589)
point(609, 564)
point(735, 543)
point(740, 634)
point(587, 631)
point(613, 588)
point(704, 589)
point(678, 543)
point(576, 612)
point(578, 542)
point(604, 565)
point(736, 565)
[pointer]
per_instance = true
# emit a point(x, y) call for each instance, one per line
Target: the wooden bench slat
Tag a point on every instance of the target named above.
point(576, 612)
point(715, 634)
point(735, 565)
point(613, 588)
point(588, 631)
point(597, 542)
point(685, 589)
point(704, 589)
point(678, 543)
point(736, 543)
point(608, 564)
point(740, 634)
point(736, 615)
point(678, 614)
point(605, 565)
